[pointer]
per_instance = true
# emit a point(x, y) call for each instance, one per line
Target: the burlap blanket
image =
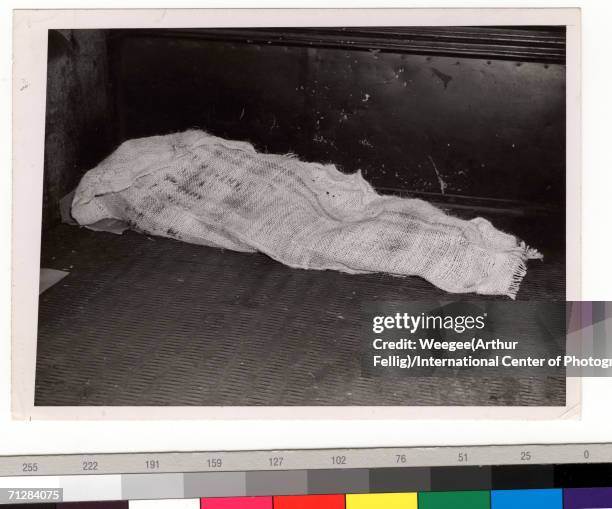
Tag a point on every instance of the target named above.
point(198, 188)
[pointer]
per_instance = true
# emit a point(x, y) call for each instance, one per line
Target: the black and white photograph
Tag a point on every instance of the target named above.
point(220, 204)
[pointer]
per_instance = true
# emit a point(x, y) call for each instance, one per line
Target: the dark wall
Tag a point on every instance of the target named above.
point(79, 120)
point(478, 128)
point(466, 116)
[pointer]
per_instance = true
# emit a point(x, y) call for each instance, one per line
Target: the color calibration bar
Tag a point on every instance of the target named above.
point(510, 499)
point(425, 486)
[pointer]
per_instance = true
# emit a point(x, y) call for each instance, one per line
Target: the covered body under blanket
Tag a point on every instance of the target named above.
point(202, 189)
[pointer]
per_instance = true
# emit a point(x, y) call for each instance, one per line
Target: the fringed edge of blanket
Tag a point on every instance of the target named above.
point(522, 254)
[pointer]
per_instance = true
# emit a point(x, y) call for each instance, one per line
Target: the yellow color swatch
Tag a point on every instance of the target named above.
point(382, 501)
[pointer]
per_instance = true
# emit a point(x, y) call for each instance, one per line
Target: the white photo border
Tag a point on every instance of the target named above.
point(30, 35)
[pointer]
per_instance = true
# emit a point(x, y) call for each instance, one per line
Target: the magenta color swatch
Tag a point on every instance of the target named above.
point(236, 503)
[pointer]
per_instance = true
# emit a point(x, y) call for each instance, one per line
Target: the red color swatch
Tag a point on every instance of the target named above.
point(236, 503)
point(309, 502)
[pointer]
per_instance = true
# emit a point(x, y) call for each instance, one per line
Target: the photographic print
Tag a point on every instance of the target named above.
point(220, 204)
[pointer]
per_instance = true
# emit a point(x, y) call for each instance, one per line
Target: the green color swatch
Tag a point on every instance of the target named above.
point(455, 500)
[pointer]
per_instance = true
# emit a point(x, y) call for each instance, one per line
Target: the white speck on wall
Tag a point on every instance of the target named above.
point(366, 98)
point(443, 184)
